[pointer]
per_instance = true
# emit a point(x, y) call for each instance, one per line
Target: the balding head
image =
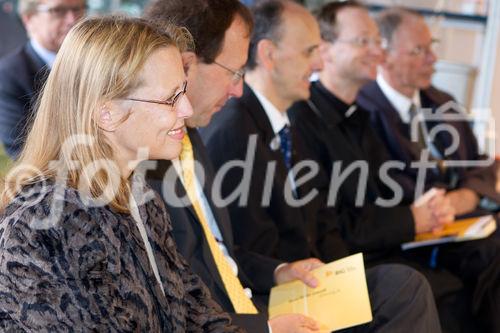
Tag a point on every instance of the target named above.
point(284, 51)
point(269, 19)
point(409, 62)
point(390, 21)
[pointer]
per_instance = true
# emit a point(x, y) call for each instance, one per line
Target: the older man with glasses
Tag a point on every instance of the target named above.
point(400, 93)
point(400, 98)
point(23, 72)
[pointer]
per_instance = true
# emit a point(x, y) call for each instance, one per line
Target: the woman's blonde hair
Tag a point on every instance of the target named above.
point(99, 61)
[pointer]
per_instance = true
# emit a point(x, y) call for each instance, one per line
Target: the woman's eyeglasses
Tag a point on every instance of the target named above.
point(171, 101)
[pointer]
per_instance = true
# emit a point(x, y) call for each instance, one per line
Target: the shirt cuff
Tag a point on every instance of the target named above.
point(276, 269)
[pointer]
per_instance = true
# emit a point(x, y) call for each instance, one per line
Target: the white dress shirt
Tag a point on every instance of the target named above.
point(402, 104)
point(399, 101)
point(278, 121)
point(277, 118)
point(47, 56)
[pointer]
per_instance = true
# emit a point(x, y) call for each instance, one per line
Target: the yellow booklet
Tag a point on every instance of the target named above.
point(339, 301)
point(459, 231)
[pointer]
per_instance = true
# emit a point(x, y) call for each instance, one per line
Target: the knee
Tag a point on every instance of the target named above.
point(403, 279)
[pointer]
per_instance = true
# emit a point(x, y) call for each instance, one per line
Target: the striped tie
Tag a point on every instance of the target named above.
point(241, 302)
point(286, 146)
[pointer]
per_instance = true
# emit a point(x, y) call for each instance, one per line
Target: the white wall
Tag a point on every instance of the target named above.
point(495, 98)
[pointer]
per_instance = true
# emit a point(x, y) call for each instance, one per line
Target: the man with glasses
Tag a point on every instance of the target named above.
point(397, 98)
point(23, 72)
point(284, 214)
point(399, 95)
point(337, 130)
point(338, 133)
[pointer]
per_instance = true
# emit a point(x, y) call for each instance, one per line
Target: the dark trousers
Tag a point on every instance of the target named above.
point(477, 264)
point(401, 301)
point(465, 280)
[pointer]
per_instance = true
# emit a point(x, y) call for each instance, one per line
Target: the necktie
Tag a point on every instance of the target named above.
point(421, 142)
point(234, 289)
point(286, 145)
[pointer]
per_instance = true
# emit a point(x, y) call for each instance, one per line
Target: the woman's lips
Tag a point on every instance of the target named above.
point(177, 133)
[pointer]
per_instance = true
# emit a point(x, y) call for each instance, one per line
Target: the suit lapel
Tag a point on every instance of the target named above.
point(38, 68)
point(220, 215)
point(265, 131)
point(157, 177)
point(256, 111)
point(393, 126)
point(266, 134)
point(443, 139)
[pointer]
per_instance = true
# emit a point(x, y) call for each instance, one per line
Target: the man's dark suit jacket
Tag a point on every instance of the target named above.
point(255, 271)
point(274, 228)
point(378, 232)
point(395, 135)
point(13, 32)
point(332, 137)
point(22, 74)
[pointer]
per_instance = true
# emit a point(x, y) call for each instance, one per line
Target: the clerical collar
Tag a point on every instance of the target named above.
point(346, 110)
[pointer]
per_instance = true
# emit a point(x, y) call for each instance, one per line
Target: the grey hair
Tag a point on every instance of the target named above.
point(327, 17)
point(390, 20)
point(27, 6)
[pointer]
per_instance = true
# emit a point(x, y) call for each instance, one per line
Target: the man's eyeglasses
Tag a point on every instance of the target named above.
point(364, 41)
point(171, 101)
point(421, 50)
point(237, 74)
point(62, 11)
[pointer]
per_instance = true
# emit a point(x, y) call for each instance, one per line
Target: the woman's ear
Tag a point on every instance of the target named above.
point(105, 118)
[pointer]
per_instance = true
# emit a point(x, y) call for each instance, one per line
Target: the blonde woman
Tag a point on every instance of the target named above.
point(82, 246)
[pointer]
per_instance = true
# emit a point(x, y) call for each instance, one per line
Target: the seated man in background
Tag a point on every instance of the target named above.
point(336, 129)
point(401, 92)
point(23, 72)
point(13, 33)
point(338, 132)
point(282, 55)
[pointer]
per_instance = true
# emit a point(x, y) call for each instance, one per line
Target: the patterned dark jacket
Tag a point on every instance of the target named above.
point(88, 270)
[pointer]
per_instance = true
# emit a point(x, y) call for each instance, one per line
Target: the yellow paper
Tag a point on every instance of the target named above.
point(459, 228)
point(341, 299)
point(459, 231)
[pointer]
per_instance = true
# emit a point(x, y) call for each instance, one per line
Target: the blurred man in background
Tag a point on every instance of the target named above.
point(396, 101)
point(338, 132)
point(23, 72)
point(400, 94)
